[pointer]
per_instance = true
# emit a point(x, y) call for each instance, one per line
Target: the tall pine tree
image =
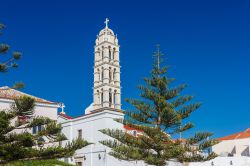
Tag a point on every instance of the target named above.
point(16, 123)
point(9, 58)
point(161, 114)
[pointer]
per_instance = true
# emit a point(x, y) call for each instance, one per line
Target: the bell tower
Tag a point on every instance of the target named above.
point(107, 89)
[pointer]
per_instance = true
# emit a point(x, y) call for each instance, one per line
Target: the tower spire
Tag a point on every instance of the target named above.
point(106, 23)
point(107, 89)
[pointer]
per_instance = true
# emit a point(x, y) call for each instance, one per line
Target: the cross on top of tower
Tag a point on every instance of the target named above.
point(106, 22)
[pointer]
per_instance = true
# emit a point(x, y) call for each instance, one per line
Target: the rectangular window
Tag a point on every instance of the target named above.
point(80, 133)
point(34, 130)
point(39, 128)
point(16, 123)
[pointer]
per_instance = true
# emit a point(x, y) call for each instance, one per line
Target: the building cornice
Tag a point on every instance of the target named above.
point(54, 105)
point(103, 42)
point(108, 63)
point(96, 113)
point(106, 84)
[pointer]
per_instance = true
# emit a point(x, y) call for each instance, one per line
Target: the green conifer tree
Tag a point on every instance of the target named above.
point(16, 140)
point(9, 58)
point(161, 114)
point(18, 143)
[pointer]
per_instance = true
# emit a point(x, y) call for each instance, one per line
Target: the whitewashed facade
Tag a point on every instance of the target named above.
point(234, 145)
point(88, 127)
point(224, 161)
point(42, 107)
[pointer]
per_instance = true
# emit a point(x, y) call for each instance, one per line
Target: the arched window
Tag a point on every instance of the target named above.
point(98, 97)
point(114, 53)
point(102, 74)
point(114, 73)
point(99, 52)
point(115, 92)
point(110, 74)
point(102, 97)
point(102, 52)
point(99, 75)
point(110, 53)
point(110, 97)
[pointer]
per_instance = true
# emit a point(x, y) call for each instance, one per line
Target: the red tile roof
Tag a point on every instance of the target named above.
point(240, 135)
point(66, 116)
point(130, 128)
point(9, 93)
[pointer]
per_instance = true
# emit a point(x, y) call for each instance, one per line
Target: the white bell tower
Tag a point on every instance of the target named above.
point(107, 89)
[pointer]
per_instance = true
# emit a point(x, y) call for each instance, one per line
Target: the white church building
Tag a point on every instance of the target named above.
point(105, 108)
point(43, 108)
point(101, 113)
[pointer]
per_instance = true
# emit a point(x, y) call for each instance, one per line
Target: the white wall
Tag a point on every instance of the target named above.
point(227, 146)
point(49, 111)
point(45, 110)
point(224, 161)
point(40, 109)
point(90, 126)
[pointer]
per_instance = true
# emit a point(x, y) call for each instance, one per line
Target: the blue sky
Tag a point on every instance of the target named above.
point(206, 43)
